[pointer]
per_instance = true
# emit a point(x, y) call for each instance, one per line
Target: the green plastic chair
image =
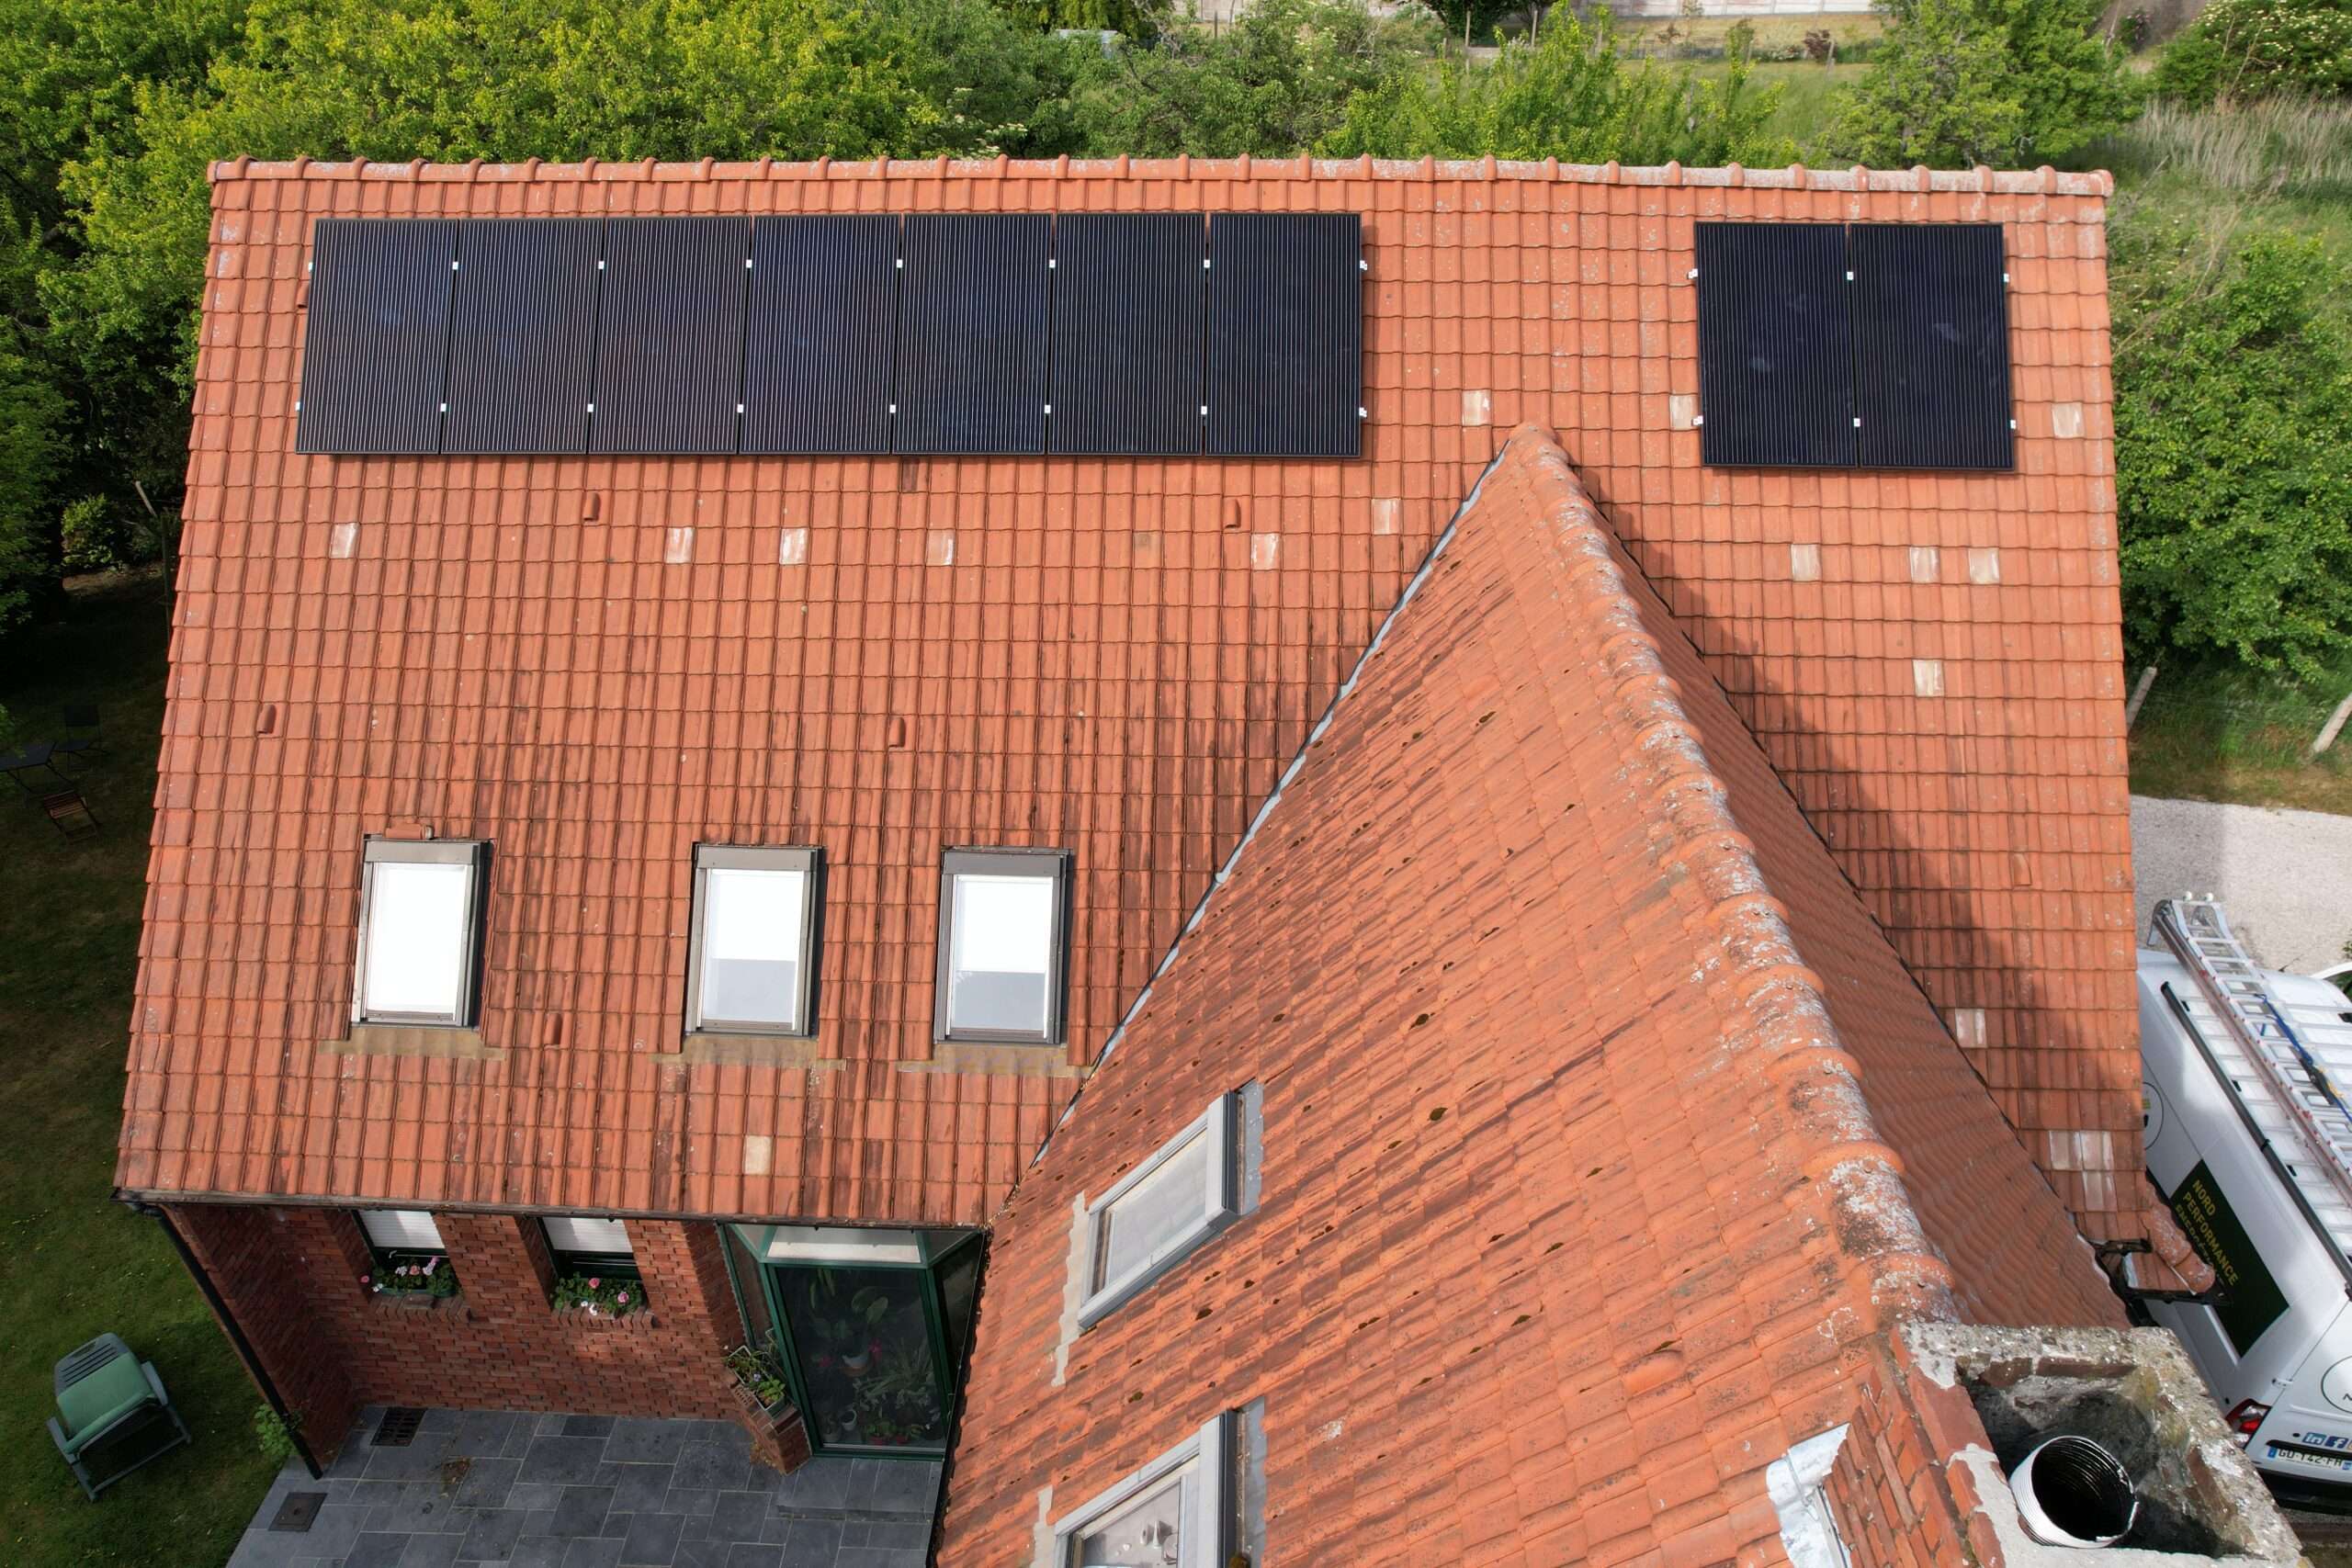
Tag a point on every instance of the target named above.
point(105, 1392)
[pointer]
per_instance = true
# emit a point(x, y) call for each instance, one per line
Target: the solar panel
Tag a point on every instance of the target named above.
point(1776, 345)
point(1129, 294)
point(376, 342)
point(521, 334)
point(819, 330)
point(1931, 326)
point(670, 334)
point(971, 346)
point(1286, 335)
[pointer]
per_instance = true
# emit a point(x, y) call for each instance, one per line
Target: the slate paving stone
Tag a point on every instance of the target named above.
point(487, 1481)
point(377, 1549)
point(564, 1491)
point(436, 1550)
point(822, 1482)
point(715, 1467)
point(813, 1543)
point(652, 1540)
point(638, 1441)
point(571, 1461)
point(537, 1551)
point(737, 1516)
point(491, 1535)
point(534, 1495)
point(637, 1488)
point(581, 1510)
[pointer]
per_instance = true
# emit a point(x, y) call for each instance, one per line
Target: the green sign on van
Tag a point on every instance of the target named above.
point(2251, 1300)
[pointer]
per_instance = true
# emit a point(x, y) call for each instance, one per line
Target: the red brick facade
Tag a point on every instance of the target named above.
point(292, 1279)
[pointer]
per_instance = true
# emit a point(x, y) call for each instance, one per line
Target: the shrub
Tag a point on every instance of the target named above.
point(599, 1296)
point(2254, 49)
point(2234, 482)
point(1569, 94)
point(2010, 83)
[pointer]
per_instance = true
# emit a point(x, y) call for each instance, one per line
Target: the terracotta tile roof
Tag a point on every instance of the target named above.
point(1572, 1218)
point(597, 662)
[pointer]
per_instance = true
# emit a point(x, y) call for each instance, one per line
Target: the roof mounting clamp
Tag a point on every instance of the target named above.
point(1850, 274)
point(1049, 264)
point(1362, 266)
point(600, 265)
point(1362, 412)
point(1693, 273)
point(1857, 421)
point(1049, 411)
point(1697, 419)
point(901, 264)
point(592, 409)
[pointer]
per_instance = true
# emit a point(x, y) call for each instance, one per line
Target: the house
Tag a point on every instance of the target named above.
point(1502, 977)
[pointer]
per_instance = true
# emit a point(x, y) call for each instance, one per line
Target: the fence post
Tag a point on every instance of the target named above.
point(2333, 727)
point(2139, 696)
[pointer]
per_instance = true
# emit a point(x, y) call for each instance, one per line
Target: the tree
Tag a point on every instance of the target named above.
point(2009, 82)
point(2255, 49)
point(1566, 95)
point(506, 80)
point(2234, 481)
point(1274, 84)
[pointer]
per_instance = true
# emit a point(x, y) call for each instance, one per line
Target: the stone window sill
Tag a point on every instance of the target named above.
point(414, 1040)
point(1014, 1061)
point(729, 1048)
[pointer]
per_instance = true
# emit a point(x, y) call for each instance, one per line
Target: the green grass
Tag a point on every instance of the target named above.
point(76, 1263)
point(2230, 736)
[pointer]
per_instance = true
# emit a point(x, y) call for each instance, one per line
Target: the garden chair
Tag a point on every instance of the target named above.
point(82, 736)
point(104, 1394)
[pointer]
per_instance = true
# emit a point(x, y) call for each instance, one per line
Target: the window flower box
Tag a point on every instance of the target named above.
point(412, 1280)
point(761, 1390)
point(600, 1295)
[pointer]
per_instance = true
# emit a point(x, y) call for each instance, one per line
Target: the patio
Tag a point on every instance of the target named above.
point(530, 1491)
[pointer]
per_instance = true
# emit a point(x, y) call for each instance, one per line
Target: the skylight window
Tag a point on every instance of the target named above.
point(420, 929)
point(1000, 945)
point(1159, 1212)
point(753, 948)
point(1174, 1512)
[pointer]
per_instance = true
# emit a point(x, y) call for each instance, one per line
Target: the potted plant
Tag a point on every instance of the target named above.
point(599, 1296)
point(759, 1380)
point(846, 1331)
point(426, 1281)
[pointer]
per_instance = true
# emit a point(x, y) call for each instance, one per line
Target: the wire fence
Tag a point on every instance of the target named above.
point(2245, 718)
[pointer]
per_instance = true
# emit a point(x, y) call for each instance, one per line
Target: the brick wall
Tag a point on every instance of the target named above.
point(1892, 1488)
point(292, 1276)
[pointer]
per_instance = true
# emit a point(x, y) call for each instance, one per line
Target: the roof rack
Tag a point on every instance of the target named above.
point(2237, 1008)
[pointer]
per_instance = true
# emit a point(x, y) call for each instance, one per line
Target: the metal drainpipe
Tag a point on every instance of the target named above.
point(237, 1339)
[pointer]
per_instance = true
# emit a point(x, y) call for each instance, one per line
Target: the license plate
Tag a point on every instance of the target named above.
point(2303, 1456)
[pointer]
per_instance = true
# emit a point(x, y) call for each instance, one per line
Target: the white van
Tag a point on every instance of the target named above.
point(2247, 1075)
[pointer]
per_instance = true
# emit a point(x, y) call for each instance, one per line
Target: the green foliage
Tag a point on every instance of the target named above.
point(2234, 481)
point(272, 1436)
point(2256, 49)
point(1274, 84)
point(1568, 94)
point(2010, 83)
point(32, 418)
point(615, 1295)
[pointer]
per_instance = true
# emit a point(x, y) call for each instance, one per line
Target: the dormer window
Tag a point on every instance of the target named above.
point(420, 933)
point(1183, 1194)
point(751, 955)
point(1002, 940)
point(1175, 1510)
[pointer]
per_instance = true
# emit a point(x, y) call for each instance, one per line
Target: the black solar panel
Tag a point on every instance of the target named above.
point(670, 334)
point(1286, 335)
point(521, 334)
point(376, 344)
point(822, 317)
point(971, 348)
point(1931, 326)
point(1776, 345)
point(1129, 297)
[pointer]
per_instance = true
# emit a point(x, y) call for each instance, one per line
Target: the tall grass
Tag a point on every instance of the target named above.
point(2291, 147)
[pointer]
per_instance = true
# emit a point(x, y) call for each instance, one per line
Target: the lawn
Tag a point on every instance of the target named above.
point(76, 1262)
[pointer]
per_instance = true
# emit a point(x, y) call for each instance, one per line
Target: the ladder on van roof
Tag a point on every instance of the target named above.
point(2249, 1035)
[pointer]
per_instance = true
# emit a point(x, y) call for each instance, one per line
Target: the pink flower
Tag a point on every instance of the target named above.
point(624, 1298)
point(367, 1278)
point(595, 1284)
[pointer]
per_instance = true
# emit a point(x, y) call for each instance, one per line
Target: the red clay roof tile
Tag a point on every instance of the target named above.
point(1580, 1193)
point(505, 647)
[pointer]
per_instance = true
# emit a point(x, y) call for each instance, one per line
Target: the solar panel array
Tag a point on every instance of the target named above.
point(1876, 345)
point(1164, 334)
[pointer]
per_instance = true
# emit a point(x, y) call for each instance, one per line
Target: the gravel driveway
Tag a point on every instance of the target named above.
point(2285, 876)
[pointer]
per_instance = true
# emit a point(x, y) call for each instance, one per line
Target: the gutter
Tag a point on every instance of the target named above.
point(244, 1346)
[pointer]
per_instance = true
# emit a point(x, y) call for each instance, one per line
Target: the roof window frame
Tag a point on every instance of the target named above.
point(807, 859)
point(1220, 1126)
point(1207, 1525)
point(475, 855)
point(1040, 863)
